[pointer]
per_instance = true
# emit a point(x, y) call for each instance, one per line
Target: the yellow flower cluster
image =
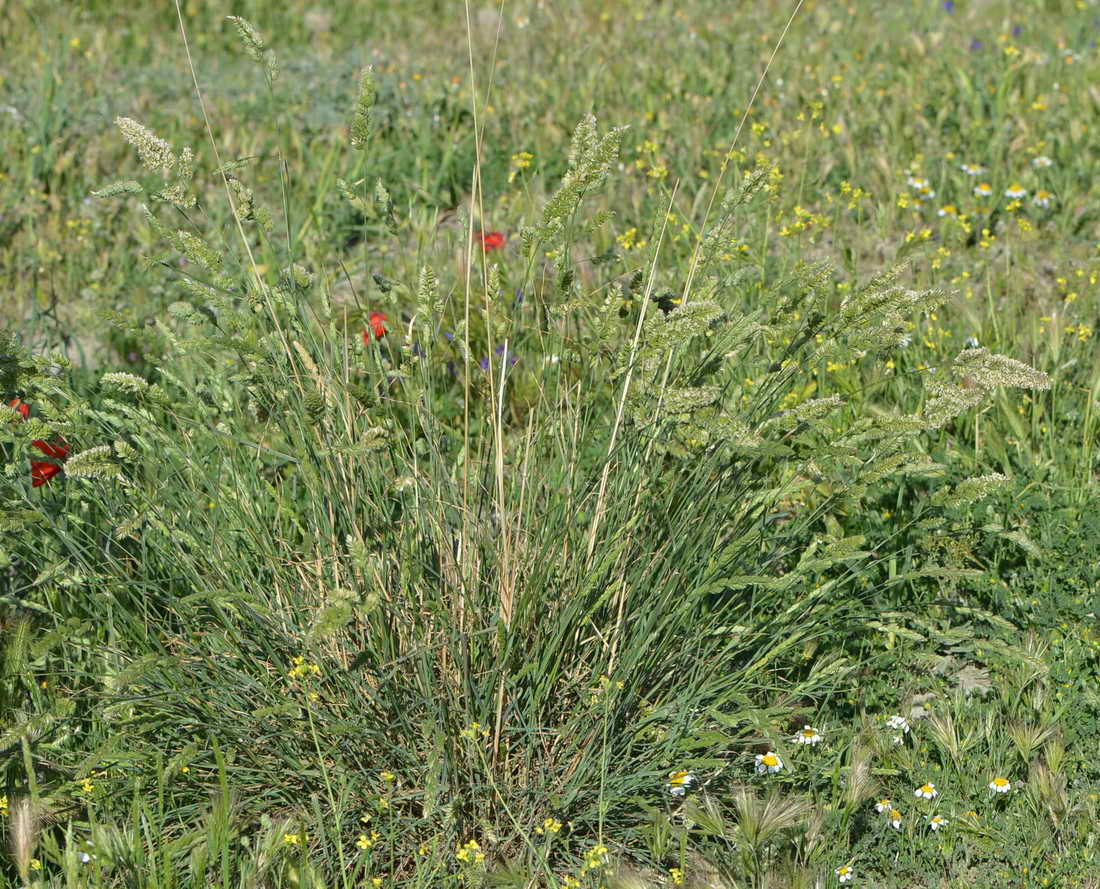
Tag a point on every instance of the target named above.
point(520, 161)
point(473, 731)
point(804, 220)
point(550, 826)
point(595, 858)
point(471, 852)
point(301, 669)
point(629, 239)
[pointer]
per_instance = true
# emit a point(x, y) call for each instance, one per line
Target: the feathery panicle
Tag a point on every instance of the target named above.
point(761, 818)
point(127, 186)
point(297, 276)
point(156, 154)
point(255, 47)
point(988, 371)
point(384, 206)
point(811, 409)
point(250, 37)
point(178, 195)
point(973, 376)
point(428, 302)
point(590, 159)
point(97, 462)
point(157, 157)
point(860, 786)
point(351, 197)
point(362, 123)
point(247, 208)
point(25, 821)
point(971, 490)
point(125, 382)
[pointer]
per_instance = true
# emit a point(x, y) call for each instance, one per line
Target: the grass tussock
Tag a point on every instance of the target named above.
point(404, 485)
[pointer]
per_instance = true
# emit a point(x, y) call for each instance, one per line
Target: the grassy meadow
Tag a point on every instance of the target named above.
point(549, 444)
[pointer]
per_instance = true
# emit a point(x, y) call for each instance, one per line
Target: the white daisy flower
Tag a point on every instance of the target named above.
point(898, 739)
point(917, 183)
point(1042, 161)
point(947, 210)
point(883, 805)
point(926, 791)
point(1000, 785)
point(895, 819)
point(972, 169)
point(900, 722)
point(768, 763)
point(679, 782)
point(983, 191)
point(844, 874)
point(1015, 191)
point(808, 735)
point(1042, 198)
point(937, 821)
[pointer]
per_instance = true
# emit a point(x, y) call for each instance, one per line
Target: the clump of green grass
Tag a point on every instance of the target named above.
point(433, 566)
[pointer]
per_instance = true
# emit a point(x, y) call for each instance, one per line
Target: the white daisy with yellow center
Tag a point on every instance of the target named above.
point(937, 821)
point(1015, 191)
point(926, 791)
point(808, 735)
point(844, 874)
point(984, 190)
point(679, 782)
point(768, 763)
point(1000, 785)
point(895, 819)
point(883, 806)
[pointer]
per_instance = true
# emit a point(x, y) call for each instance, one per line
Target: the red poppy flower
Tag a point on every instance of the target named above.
point(41, 471)
point(492, 240)
point(376, 327)
point(24, 409)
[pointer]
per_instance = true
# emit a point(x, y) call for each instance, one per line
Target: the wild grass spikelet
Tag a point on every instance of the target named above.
point(23, 829)
point(590, 159)
point(97, 462)
point(362, 122)
point(255, 47)
point(156, 154)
